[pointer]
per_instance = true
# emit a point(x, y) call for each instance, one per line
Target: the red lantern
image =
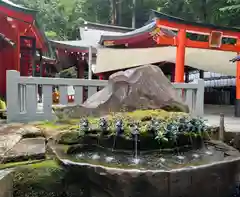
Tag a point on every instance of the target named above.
point(70, 98)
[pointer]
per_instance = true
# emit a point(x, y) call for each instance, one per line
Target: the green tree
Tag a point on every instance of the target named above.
point(61, 18)
point(231, 12)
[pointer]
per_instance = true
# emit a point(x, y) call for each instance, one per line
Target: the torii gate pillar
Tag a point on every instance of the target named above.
point(180, 56)
point(237, 101)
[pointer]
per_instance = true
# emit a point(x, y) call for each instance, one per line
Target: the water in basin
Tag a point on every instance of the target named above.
point(154, 160)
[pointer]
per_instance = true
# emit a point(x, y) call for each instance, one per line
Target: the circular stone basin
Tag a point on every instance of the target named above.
point(148, 160)
point(209, 171)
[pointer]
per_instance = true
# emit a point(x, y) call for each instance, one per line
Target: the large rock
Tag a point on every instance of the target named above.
point(144, 87)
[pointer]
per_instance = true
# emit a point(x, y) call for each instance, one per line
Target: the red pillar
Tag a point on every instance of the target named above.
point(180, 56)
point(237, 102)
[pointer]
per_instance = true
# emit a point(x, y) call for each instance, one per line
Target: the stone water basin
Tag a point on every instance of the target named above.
point(147, 160)
point(210, 171)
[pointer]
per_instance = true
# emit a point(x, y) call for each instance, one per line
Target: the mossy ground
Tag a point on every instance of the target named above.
point(17, 164)
point(38, 180)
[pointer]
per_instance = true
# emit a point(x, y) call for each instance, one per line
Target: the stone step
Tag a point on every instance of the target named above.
point(6, 183)
point(26, 149)
point(7, 142)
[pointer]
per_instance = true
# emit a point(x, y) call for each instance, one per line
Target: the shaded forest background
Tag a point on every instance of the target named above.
point(61, 18)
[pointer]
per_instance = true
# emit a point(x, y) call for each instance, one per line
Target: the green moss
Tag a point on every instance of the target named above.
point(18, 164)
point(59, 125)
point(138, 115)
point(68, 137)
point(39, 179)
point(45, 179)
point(44, 164)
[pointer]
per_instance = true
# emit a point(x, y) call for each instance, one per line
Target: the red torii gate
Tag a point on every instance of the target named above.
point(215, 35)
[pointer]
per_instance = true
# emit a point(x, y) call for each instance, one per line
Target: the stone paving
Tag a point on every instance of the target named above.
point(13, 146)
point(25, 149)
point(8, 138)
point(212, 115)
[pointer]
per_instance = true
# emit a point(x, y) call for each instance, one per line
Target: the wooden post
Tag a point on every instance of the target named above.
point(201, 74)
point(180, 56)
point(187, 76)
point(80, 69)
point(221, 128)
point(172, 74)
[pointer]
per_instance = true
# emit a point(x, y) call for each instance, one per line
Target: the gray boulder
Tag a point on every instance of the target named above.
point(144, 87)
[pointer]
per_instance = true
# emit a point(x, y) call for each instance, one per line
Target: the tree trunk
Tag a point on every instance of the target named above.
point(113, 12)
point(134, 14)
point(204, 11)
point(119, 18)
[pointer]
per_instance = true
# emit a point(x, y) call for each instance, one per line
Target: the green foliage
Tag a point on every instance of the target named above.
point(64, 17)
point(172, 129)
point(165, 127)
point(51, 35)
point(232, 5)
point(68, 73)
point(57, 16)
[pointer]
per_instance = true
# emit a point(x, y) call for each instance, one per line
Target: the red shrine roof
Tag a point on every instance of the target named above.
point(26, 21)
point(162, 16)
point(143, 37)
point(138, 38)
point(99, 35)
point(90, 34)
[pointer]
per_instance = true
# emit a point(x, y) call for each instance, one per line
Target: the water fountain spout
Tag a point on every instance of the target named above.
point(84, 125)
point(135, 134)
point(103, 125)
point(119, 127)
point(119, 131)
point(154, 126)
